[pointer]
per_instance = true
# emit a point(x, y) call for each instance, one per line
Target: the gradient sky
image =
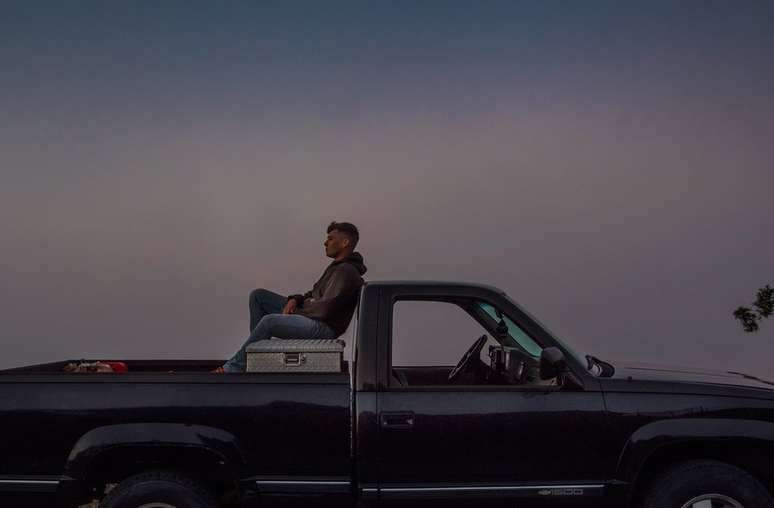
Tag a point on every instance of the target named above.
point(609, 166)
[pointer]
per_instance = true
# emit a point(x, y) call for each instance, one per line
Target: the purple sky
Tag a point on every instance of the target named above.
point(609, 167)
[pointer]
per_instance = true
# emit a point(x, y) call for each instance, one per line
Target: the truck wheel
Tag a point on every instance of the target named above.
point(707, 484)
point(158, 489)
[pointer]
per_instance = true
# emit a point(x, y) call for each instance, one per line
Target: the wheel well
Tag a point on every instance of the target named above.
point(756, 458)
point(201, 464)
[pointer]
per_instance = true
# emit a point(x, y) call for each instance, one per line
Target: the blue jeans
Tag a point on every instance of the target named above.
point(267, 320)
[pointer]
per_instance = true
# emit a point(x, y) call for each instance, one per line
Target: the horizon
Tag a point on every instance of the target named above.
point(607, 166)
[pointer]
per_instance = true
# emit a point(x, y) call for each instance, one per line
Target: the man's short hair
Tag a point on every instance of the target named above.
point(348, 229)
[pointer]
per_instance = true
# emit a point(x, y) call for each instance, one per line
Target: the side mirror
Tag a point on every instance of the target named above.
point(554, 365)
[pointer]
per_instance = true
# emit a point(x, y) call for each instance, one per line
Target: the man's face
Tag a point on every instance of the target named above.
point(335, 243)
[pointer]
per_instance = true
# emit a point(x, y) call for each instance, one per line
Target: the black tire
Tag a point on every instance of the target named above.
point(693, 480)
point(163, 487)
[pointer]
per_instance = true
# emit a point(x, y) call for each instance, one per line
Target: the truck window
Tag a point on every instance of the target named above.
point(432, 333)
point(431, 338)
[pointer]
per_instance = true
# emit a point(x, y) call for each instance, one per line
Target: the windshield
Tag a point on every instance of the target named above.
point(516, 333)
point(527, 343)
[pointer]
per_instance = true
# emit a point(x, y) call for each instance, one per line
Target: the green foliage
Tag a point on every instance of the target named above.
point(764, 307)
point(748, 318)
point(765, 301)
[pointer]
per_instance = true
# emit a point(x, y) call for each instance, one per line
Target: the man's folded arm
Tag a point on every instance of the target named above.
point(342, 285)
point(300, 298)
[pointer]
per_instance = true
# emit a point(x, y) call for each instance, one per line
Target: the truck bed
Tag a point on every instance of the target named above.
point(278, 425)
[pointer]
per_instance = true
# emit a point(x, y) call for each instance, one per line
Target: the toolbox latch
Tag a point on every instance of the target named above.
point(294, 359)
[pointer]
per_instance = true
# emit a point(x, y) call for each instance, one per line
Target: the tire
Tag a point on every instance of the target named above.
point(159, 489)
point(690, 483)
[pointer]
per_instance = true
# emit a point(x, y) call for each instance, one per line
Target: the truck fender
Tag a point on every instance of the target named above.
point(658, 435)
point(144, 437)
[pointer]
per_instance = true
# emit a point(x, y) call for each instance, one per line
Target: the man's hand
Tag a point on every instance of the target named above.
point(290, 307)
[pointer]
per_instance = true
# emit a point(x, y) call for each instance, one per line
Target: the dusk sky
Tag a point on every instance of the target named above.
point(609, 166)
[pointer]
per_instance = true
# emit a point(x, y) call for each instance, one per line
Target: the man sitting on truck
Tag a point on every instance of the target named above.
point(322, 313)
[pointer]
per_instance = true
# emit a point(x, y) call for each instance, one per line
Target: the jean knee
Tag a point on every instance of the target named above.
point(256, 295)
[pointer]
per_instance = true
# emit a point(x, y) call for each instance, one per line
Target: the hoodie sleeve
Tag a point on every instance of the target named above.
point(342, 285)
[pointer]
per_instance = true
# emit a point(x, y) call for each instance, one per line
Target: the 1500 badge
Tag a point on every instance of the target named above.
point(561, 492)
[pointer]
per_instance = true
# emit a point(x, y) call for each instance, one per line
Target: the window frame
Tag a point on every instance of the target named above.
point(451, 294)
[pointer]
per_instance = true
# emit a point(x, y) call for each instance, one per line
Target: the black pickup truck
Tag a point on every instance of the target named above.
point(520, 421)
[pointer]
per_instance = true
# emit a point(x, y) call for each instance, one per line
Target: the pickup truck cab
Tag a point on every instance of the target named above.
point(519, 421)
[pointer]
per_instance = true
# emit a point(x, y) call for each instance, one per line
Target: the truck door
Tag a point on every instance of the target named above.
point(478, 440)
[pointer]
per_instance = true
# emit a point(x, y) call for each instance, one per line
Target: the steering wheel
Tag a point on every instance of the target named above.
point(466, 361)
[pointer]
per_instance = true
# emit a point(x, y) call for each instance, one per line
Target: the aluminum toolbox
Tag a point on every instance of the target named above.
point(281, 355)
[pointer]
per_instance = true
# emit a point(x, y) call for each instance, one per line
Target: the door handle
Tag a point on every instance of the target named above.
point(400, 420)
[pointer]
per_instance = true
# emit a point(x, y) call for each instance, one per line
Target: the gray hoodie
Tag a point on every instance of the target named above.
point(333, 298)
